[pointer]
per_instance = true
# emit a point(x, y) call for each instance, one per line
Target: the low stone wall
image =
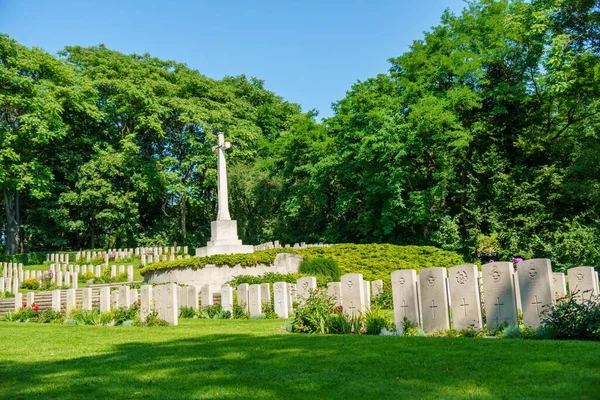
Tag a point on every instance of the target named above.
point(217, 275)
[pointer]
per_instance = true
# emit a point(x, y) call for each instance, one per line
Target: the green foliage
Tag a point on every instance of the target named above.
point(269, 277)
point(374, 261)
point(376, 321)
point(187, 312)
point(572, 319)
point(31, 283)
point(313, 314)
point(512, 332)
point(325, 267)
point(384, 300)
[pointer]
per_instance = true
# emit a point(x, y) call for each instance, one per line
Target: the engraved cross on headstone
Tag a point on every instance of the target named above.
point(433, 307)
point(497, 305)
point(464, 306)
point(537, 303)
point(404, 306)
point(223, 206)
point(352, 307)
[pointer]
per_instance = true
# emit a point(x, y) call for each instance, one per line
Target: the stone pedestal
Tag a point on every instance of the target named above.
point(223, 240)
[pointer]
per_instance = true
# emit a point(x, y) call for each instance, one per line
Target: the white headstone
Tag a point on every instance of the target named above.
point(71, 301)
point(254, 300)
point(86, 299)
point(124, 297)
point(30, 299)
point(466, 299)
point(182, 296)
point(499, 294)
point(281, 299)
point(18, 301)
point(206, 296)
point(535, 284)
point(192, 297)
point(559, 285)
point(265, 293)
point(130, 273)
point(304, 286)
point(353, 295)
point(376, 287)
point(114, 299)
point(434, 299)
point(105, 299)
point(166, 303)
point(56, 300)
point(242, 296)
point(334, 290)
point(146, 302)
point(367, 294)
point(582, 283)
point(227, 298)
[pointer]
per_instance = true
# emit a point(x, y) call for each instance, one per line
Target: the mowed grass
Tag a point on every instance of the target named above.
point(256, 359)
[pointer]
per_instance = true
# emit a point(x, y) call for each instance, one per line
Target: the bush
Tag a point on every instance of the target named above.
point(376, 322)
point(187, 312)
point(313, 314)
point(569, 319)
point(325, 267)
point(383, 300)
point(269, 277)
point(512, 332)
point(238, 312)
point(31, 283)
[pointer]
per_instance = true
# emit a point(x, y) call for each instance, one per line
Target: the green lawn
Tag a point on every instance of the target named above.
point(255, 359)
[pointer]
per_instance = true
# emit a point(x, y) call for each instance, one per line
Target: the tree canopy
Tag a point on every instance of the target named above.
point(483, 138)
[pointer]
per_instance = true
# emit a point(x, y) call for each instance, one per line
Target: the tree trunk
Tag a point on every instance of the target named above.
point(11, 202)
point(183, 210)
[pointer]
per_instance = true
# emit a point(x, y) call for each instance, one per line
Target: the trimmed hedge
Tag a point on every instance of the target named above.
point(374, 261)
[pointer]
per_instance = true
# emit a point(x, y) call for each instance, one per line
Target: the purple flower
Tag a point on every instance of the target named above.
point(517, 259)
point(492, 261)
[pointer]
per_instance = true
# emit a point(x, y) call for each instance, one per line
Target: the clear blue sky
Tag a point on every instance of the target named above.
point(309, 52)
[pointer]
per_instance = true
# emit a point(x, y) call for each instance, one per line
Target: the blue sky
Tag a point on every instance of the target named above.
point(309, 52)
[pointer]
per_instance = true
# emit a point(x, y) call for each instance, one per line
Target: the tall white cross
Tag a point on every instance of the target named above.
point(223, 204)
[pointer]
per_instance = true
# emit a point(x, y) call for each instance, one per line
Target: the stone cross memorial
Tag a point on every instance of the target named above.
point(353, 295)
point(535, 284)
point(223, 238)
point(463, 281)
point(405, 297)
point(582, 283)
point(499, 294)
point(433, 292)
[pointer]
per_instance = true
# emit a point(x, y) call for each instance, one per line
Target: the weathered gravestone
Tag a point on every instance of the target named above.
point(463, 281)
point(206, 296)
point(242, 296)
point(254, 300)
point(105, 299)
point(304, 286)
point(165, 297)
point(499, 294)
point(133, 294)
point(124, 297)
point(293, 291)
point(1, 285)
point(130, 273)
point(192, 297)
point(227, 298)
point(434, 299)
point(86, 299)
point(334, 290)
point(56, 300)
point(582, 283)
point(18, 301)
point(535, 284)
point(405, 297)
point(281, 299)
point(146, 302)
point(559, 286)
point(353, 295)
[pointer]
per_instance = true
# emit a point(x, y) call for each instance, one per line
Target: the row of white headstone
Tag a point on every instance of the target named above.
point(429, 298)
point(60, 275)
point(277, 245)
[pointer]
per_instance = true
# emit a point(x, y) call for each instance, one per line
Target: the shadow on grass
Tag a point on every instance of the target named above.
point(310, 366)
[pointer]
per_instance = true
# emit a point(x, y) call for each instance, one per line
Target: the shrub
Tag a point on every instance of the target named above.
point(7, 295)
point(312, 315)
point(325, 267)
point(211, 312)
point(88, 317)
point(123, 314)
point(383, 300)
point(569, 319)
point(238, 312)
point(187, 312)
point(512, 332)
point(270, 277)
point(375, 322)
point(31, 283)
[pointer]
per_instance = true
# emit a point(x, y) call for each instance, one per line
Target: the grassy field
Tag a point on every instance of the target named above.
point(256, 359)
